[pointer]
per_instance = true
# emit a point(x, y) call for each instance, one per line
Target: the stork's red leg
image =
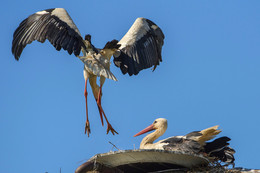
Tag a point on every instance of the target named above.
point(99, 103)
point(87, 126)
point(109, 126)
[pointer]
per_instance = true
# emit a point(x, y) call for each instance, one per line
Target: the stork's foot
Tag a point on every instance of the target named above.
point(110, 128)
point(87, 128)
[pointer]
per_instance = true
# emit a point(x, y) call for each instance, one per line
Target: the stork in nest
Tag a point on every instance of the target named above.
point(194, 142)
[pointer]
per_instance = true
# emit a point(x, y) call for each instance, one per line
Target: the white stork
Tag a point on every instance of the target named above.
point(194, 142)
point(139, 49)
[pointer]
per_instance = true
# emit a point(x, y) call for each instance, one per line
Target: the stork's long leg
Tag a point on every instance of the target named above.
point(95, 90)
point(87, 126)
point(99, 101)
point(101, 111)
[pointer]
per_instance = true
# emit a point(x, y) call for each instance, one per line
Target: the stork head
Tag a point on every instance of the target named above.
point(160, 125)
point(88, 37)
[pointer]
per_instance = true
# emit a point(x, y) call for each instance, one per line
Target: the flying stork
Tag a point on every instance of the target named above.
point(194, 142)
point(139, 49)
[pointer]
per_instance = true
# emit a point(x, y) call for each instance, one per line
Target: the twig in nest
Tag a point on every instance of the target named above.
point(114, 145)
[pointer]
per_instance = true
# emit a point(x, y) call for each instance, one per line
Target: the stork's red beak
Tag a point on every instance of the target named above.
point(147, 129)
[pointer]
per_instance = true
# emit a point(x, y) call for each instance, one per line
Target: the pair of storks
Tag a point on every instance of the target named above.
point(139, 49)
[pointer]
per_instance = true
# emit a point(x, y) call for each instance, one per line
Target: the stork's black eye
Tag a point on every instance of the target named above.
point(155, 122)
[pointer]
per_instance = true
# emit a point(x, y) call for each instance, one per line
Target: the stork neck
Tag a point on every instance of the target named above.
point(150, 138)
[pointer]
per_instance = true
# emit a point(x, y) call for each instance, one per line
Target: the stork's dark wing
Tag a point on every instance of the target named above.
point(140, 47)
point(52, 24)
point(178, 143)
point(219, 148)
point(193, 135)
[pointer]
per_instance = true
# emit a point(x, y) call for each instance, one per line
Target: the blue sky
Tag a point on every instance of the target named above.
point(209, 75)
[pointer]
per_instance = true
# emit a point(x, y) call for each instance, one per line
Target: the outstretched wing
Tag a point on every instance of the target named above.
point(52, 24)
point(140, 47)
